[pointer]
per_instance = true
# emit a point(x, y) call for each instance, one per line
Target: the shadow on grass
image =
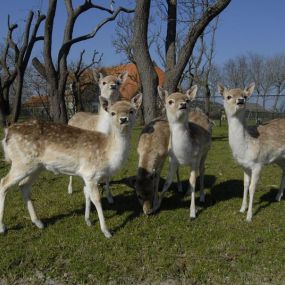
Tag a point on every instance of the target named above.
point(267, 199)
point(220, 138)
point(128, 202)
point(54, 219)
point(179, 200)
point(226, 190)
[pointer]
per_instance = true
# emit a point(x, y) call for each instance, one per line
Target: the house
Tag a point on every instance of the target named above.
point(38, 106)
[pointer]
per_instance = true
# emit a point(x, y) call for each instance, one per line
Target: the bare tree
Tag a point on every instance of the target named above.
point(176, 56)
point(201, 66)
point(22, 53)
point(260, 74)
point(56, 73)
point(7, 78)
point(124, 31)
point(236, 72)
point(148, 76)
point(76, 73)
point(277, 74)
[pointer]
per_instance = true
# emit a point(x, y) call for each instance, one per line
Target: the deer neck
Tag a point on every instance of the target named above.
point(103, 125)
point(181, 145)
point(118, 148)
point(238, 137)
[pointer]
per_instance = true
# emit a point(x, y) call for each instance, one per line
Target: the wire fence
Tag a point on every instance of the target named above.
point(259, 108)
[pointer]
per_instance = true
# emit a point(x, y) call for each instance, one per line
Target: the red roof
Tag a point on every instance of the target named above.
point(132, 85)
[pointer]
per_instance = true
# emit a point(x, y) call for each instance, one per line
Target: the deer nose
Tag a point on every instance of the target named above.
point(123, 120)
point(113, 86)
point(240, 101)
point(182, 105)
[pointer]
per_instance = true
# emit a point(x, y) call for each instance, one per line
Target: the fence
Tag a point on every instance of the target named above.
point(259, 108)
point(256, 112)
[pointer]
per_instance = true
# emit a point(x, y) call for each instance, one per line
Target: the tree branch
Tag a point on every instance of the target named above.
point(69, 43)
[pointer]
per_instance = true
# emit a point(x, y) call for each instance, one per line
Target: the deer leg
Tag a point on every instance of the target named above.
point(70, 189)
point(192, 181)
point(15, 175)
point(108, 192)
point(254, 179)
point(93, 192)
point(282, 186)
point(25, 188)
point(246, 182)
point(172, 169)
point(201, 177)
point(179, 184)
point(87, 207)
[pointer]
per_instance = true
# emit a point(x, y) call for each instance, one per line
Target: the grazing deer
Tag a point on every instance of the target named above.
point(109, 89)
point(189, 142)
point(152, 150)
point(254, 146)
point(33, 146)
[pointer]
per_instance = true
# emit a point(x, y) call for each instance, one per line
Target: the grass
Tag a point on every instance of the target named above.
point(219, 247)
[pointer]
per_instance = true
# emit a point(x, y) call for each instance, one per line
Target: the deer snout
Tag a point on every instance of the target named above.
point(182, 105)
point(240, 101)
point(113, 86)
point(123, 120)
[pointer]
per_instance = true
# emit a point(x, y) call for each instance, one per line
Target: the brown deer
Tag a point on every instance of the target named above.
point(110, 89)
point(33, 146)
point(254, 146)
point(153, 149)
point(189, 142)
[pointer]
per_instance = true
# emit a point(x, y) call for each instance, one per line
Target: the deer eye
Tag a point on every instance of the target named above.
point(170, 102)
point(113, 113)
point(118, 82)
point(229, 97)
point(104, 83)
point(245, 97)
point(187, 101)
point(131, 112)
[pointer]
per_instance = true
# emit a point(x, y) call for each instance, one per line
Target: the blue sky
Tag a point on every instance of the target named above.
point(245, 26)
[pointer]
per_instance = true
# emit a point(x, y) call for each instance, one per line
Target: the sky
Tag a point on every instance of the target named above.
point(244, 26)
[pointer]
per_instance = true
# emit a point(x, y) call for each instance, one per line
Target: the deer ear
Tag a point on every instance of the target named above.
point(162, 93)
point(221, 88)
point(249, 89)
point(123, 77)
point(191, 93)
point(97, 76)
point(137, 101)
point(104, 103)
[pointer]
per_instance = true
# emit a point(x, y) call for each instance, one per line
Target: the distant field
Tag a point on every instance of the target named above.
point(219, 247)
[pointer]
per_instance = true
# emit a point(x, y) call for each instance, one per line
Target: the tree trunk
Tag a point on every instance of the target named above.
point(143, 60)
point(173, 75)
point(57, 106)
point(4, 106)
point(170, 46)
point(16, 110)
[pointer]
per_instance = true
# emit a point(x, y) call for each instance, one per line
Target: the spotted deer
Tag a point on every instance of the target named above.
point(110, 89)
point(152, 150)
point(33, 146)
point(252, 146)
point(189, 142)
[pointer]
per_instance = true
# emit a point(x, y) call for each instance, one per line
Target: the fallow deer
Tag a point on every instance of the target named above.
point(189, 142)
point(34, 146)
point(252, 146)
point(153, 150)
point(110, 89)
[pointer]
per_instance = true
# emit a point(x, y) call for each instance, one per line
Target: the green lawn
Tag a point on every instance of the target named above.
point(219, 247)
